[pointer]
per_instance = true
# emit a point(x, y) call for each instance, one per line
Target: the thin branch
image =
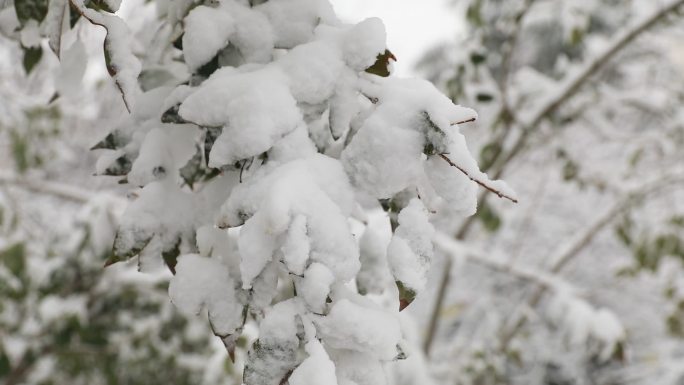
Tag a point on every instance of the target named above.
point(464, 121)
point(484, 183)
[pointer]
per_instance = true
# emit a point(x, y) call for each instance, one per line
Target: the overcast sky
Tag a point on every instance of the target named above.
point(412, 26)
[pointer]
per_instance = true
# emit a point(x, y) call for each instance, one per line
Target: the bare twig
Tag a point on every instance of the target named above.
point(483, 183)
point(464, 121)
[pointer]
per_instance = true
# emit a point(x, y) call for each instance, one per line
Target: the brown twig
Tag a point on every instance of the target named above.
point(482, 183)
point(464, 121)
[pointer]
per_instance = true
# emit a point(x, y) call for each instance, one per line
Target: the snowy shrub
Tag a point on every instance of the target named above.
point(254, 160)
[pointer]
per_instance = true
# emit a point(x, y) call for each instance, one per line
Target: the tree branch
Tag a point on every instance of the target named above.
point(484, 183)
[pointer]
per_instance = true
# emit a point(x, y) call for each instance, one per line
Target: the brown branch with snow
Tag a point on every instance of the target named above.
point(484, 183)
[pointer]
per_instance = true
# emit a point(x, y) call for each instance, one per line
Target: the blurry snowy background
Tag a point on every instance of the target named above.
point(580, 106)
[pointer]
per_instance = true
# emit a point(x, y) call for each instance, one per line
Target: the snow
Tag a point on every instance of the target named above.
point(207, 31)
point(72, 66)
point(52, 308)
point(410, 115)
point(410, 251)
point(363, 43)
point(363, 329)
point(315, 187)
point(316, 369)
point(315, 286)
point(254, 108)
point(294, 21)
point(204, 282)
point(164, 151)
point(296, 248)
point(123, 65)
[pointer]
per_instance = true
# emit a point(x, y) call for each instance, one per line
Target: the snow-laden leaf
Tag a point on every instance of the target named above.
point(294, 21)
point(365, 329)
point(149, 224)
point(374, 273)
point(163, 153)
point(410, 251)
point(255, 109)
point(410, 115)
point(316, 188)
point(55, 23)
point(207, 31)
point(205, 282)
point(316, 369)
point(123, 66)
point(273, 356)
point(314, 287)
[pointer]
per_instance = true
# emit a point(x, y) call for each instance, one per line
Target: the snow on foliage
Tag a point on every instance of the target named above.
point(250, 169)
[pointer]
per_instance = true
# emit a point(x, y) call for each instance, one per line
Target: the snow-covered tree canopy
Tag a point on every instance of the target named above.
point(257, 136)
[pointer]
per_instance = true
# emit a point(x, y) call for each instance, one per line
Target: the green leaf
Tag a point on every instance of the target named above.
point(436, 140)
point(32, 56)
point(30, 9)
point(484, 97)
point(406, 295)
point(489, 218)
point(98, 5)
point(170, 256)
point(5, 366)
point(112, 141)
point(14, 258)
point(128, 243)
point(570, 170)
point(121, 166)
point(19, 151)
point(171, 116)
point(488, 155)
point(576, 36)
point(477, 58)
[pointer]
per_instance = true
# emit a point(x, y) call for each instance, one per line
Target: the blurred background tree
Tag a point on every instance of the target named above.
point(580, 110)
